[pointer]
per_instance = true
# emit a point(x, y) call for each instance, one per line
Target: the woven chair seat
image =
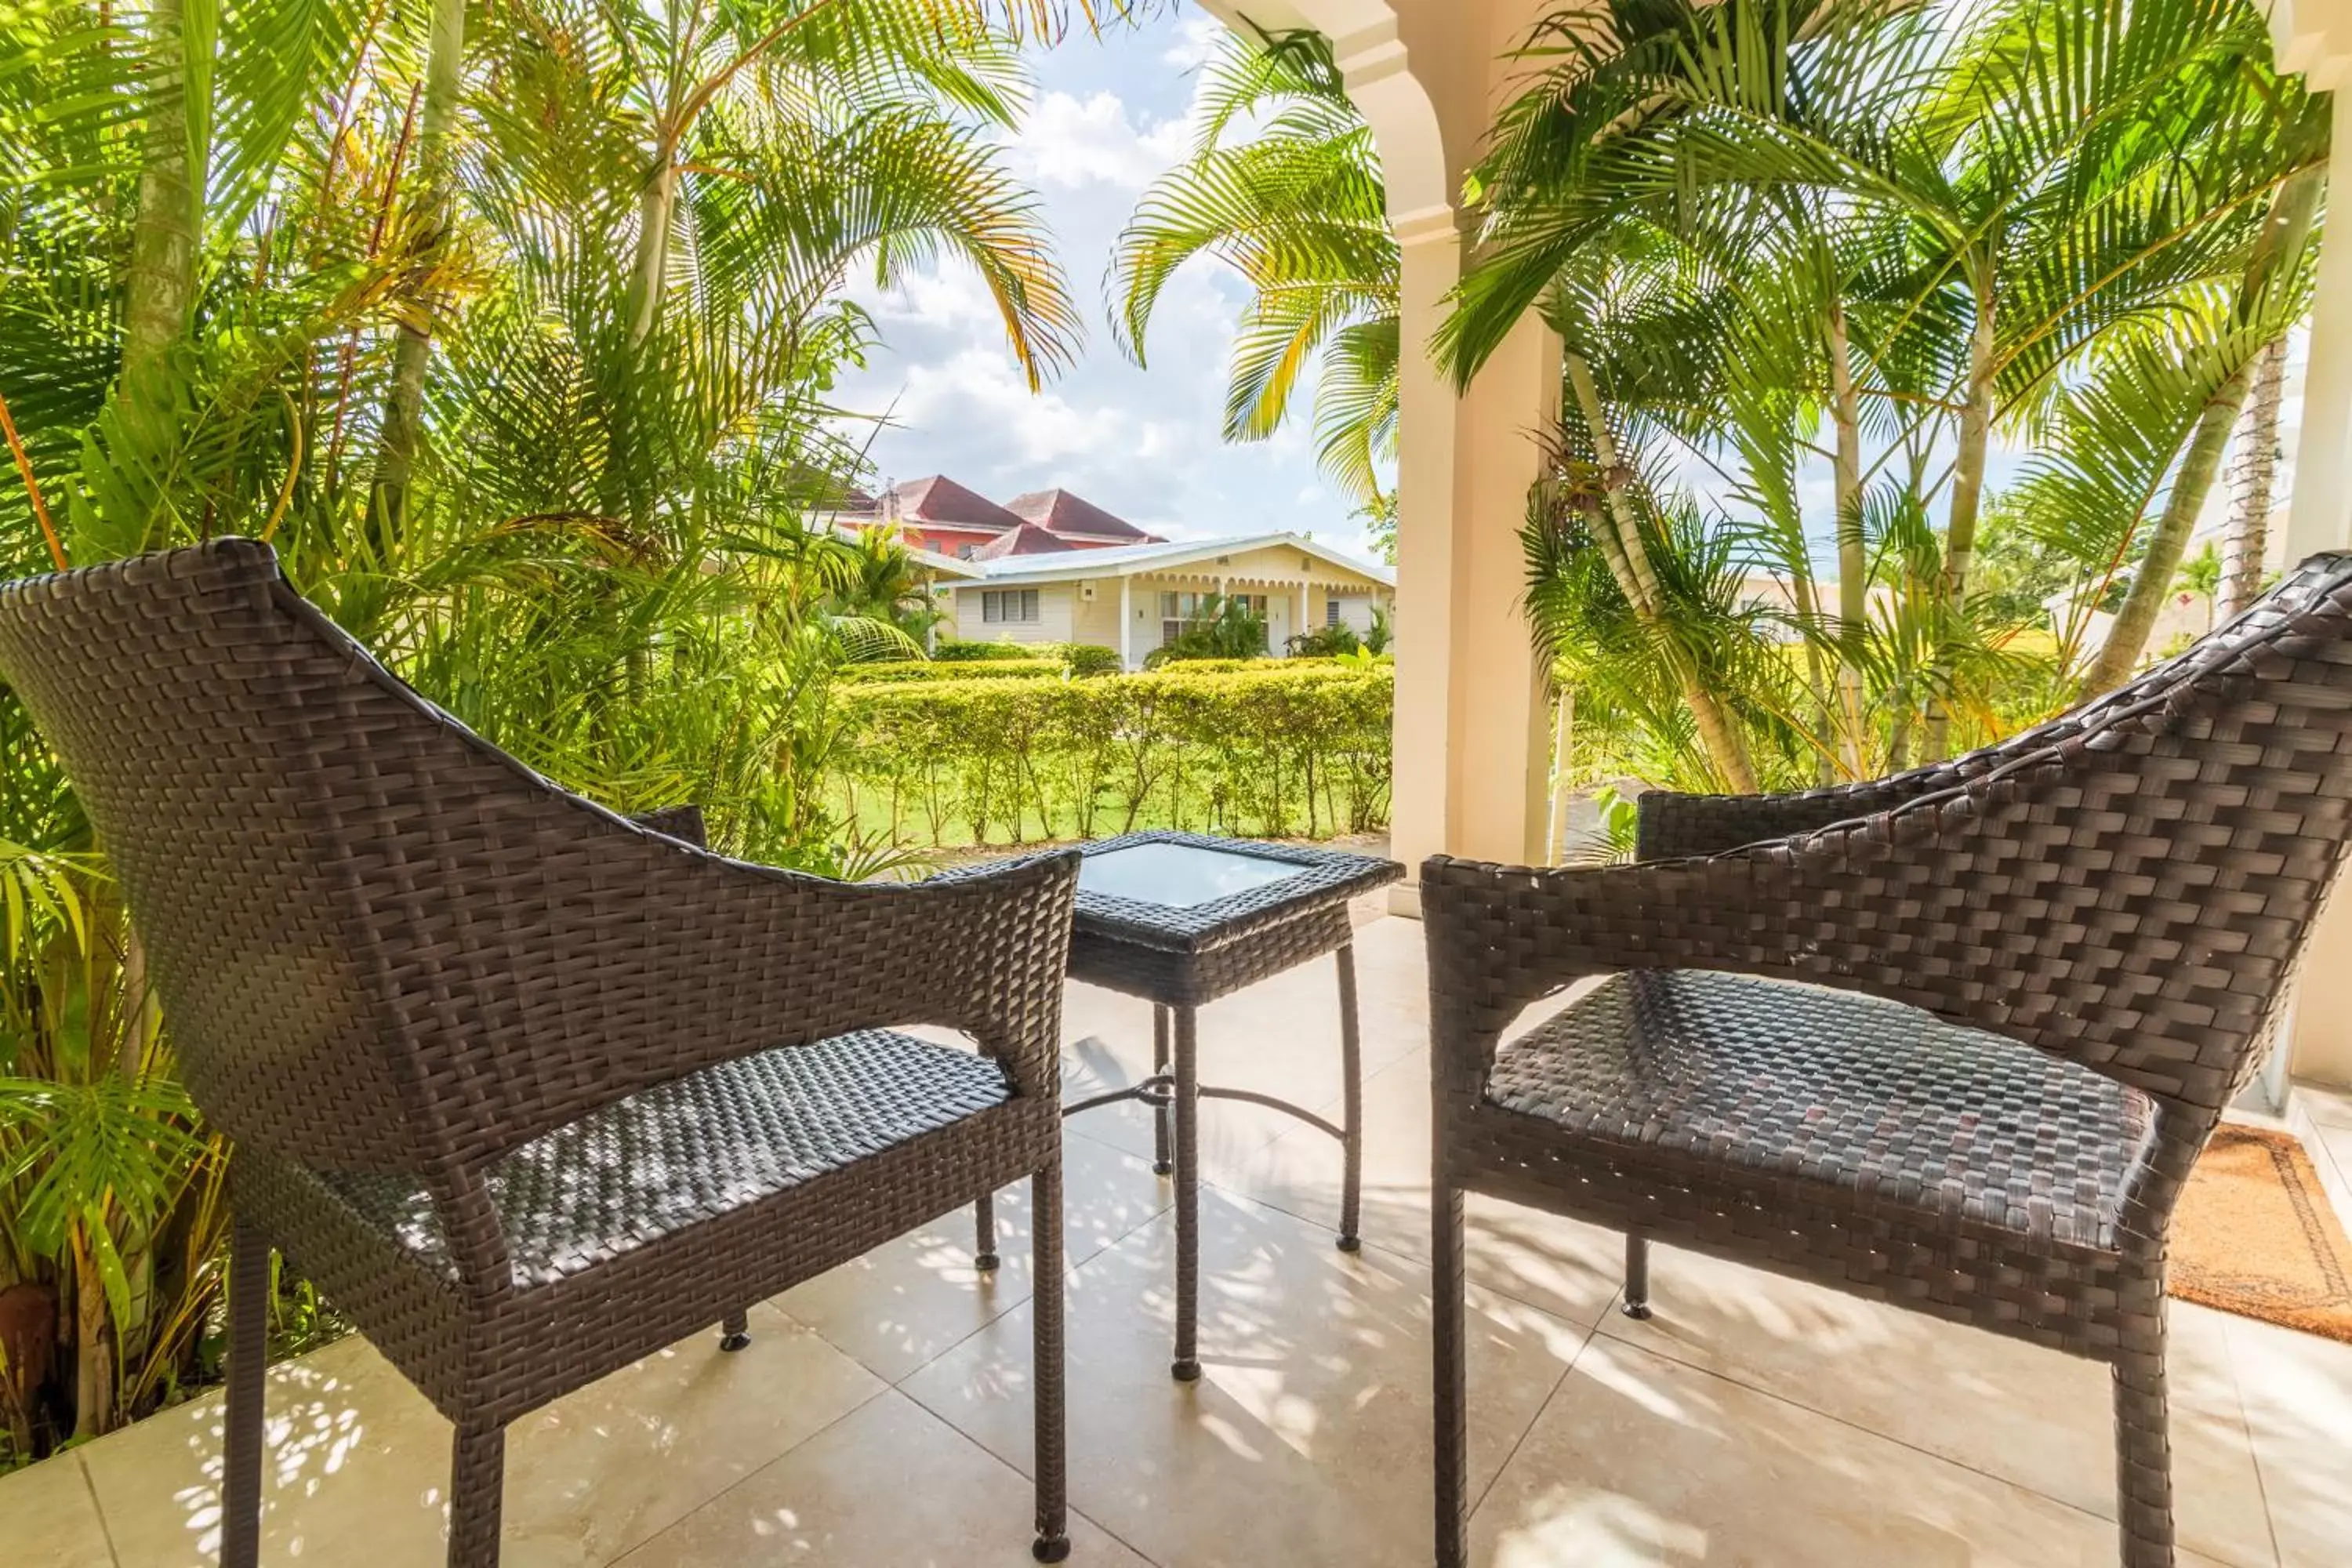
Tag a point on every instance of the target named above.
point(687, 1150)
point(1895, 1106)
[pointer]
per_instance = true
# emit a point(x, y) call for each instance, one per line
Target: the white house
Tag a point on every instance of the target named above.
point(1136, 598)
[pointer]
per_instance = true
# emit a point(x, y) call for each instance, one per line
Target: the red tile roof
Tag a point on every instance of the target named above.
point(1073, 515)
point(942, 501)
point(1026, 540)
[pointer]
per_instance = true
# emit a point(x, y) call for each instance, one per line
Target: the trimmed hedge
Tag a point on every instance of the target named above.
point(950, 651)
point(902, 671)
point(1078, 657)
point(1277, 747)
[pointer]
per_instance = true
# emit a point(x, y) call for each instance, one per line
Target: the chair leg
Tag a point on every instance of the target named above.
point(1637, 1276)
point(983, 1247)
point(249, 1351)
point(1351, 1121)
point(2143, 1459)
point(1160, 1160)
point(735, 1330)
point(1053, 1543)
point(477, 1476)
point(1449, 1344)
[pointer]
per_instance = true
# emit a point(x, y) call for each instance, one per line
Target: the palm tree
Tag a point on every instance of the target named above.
point(1993, 198)
point(338, 276)
point(1298, 209)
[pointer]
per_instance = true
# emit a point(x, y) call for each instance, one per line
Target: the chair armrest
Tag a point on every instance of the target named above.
point(627, 959)
point(1670, 826)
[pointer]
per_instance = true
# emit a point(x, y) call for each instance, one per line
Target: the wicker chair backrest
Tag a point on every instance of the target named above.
point(2129, 886)
point(382, 943)
point(229, 756)
point(1703, 825)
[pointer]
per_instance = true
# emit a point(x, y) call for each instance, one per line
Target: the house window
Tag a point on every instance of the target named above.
point(1332, 611)
point(1177, 609)
point(1009, 607)
point(963, 552)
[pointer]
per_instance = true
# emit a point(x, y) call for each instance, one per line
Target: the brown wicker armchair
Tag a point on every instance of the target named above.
point(530, 1091)
point(2033, 978)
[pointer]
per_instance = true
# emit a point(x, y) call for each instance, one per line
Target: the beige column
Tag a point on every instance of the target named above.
point(1127, 622)
point(2317, 1040)
point(1470, 761)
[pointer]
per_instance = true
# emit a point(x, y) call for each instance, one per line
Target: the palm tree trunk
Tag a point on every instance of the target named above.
point(2252, 476)
point(412, 355)
point(2276, 254)
point(161, 286)
point(1960, 528)
point(655, 209)
point(1853, 551)
point(2152, 584)
point(1628, 561)
point(95, 1414)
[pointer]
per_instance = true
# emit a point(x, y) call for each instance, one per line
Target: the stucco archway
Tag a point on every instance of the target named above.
point(1471, 758)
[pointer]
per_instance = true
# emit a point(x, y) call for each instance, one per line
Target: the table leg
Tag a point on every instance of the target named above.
point(1159, 1165)
point(1187, 1367)
point(1351, 1067)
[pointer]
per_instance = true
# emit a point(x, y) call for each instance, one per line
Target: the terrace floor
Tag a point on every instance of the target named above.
point(881, 1415)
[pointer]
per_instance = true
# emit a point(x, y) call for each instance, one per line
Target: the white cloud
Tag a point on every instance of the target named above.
point(979, 390)
point(1146, 444)
point(1196, 41)
point(1072, 142)
point(949, 296)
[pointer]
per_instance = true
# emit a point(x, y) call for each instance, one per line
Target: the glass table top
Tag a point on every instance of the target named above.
point(1178, 876)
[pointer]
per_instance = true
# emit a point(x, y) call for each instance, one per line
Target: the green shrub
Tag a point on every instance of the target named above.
point(951, 651)
point(1085, 658)
point(1269, 748)
point(902, 671)
point(1325, 642)
point(1032, 660)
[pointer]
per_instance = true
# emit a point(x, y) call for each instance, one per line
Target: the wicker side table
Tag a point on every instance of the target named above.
point(1180, 920)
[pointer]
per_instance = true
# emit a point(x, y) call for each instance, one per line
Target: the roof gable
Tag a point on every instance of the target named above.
point(1064, 512)
point(942, 501)
point(1028, 539)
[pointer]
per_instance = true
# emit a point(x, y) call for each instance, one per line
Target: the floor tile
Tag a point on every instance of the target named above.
point(2335, 1145)
point(1567, 1268)
point(890, 1485)
point(2325, 1104)
point(1306, 1439)
point(1231, 1132)
point(2297, 1390)
point(48, 1516)
point(358, 1461)
point(908, 1300)
point(1640, 1460)
point(2033, 1416)
point(604, 1469)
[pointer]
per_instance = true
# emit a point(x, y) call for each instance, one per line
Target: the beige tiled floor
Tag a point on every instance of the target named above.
point(881, 1415)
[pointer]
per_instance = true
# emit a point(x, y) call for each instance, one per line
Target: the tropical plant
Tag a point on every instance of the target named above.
point(1283, 184)
point(378, 284)
point(1220, 626)
point(1325, 642)
point(1774, 232)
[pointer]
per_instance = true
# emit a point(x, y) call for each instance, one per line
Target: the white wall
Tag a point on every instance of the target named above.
point(1055, 602)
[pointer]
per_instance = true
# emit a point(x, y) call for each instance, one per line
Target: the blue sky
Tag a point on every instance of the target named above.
point(1108, 116)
